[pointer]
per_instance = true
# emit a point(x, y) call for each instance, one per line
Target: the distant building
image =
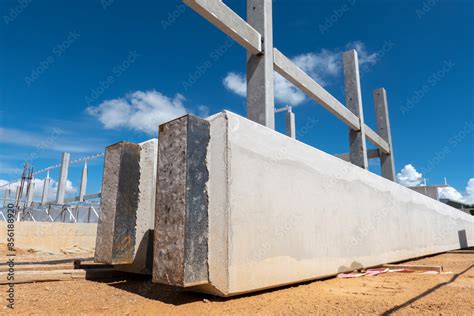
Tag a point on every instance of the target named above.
point(432, 192)
point(459, 205)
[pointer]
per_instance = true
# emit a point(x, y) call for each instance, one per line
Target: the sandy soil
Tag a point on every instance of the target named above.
point(388, 293)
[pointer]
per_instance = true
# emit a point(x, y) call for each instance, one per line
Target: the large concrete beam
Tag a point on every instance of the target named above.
point(181, 225)
point(125, 228)
point(383, 127)
point(260, 236)
point(357, 144)
point(260, 90)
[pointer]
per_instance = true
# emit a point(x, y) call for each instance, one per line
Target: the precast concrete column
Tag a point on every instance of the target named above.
point(82, 190)
point(290, 123)
point(357, 141)
point(260, 90)
point(62, 179)
point(383, 128)
point(44, 196)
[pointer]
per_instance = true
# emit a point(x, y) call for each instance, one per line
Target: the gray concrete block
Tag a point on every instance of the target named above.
point(181, 219)
point(125, 228)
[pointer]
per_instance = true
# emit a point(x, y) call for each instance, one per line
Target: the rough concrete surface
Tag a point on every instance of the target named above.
point(182, 203)
point(125, 226)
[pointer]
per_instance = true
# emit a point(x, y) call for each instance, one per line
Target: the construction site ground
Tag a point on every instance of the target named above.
point(397, 293)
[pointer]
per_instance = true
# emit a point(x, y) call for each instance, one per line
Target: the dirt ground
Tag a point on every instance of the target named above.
point(398, 293)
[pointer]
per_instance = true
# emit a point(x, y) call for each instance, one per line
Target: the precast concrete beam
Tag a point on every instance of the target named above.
point(125, 227)
point(181, 220)
point(225, 226)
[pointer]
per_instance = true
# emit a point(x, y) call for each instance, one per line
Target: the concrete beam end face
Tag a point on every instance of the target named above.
point(125, 229)
point(181, 218)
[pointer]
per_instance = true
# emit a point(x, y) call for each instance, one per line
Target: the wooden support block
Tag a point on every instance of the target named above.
point(60, 275)
point(413, 267)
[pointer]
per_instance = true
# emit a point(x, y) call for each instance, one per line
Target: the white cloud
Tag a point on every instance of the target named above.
point(323, 66)
point(450, 193)
point(409, 177)
point(236, 83)
point(366, 59)
point(469, 197)
point(141, 111)
point(285, 92)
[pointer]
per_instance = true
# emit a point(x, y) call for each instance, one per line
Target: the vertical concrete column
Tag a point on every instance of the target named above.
point(357, 142)
point(82, 189)
point(31, 192)
point(260, 91)
point(62, 179)
point(6, 197)
point(290, 123)
point(383, 128)
point(44, 196)
point(17, 196)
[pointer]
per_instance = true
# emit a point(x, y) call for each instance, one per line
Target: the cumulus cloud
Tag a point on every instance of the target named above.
point(409, 177)
point(450, 193)
point(366, 59)
point(453, 194)
point(236, 83)
point(285, 92)
point(142, 111)
point(323, 66)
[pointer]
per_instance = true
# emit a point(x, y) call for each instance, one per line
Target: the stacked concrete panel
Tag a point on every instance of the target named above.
point(280, 212)
point(125, 228)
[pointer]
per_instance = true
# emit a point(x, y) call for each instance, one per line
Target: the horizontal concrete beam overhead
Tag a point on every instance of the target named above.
point(222, 17)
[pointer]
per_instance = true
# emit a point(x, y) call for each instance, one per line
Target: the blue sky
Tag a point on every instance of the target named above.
point(80, 75)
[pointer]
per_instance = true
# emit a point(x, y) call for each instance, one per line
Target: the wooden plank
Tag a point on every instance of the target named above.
point(303, 81)
point(413, 267)
point(60, 275)
point(226, 20)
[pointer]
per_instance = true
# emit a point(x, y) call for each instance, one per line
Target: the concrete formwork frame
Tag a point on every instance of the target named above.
point(262, 58)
